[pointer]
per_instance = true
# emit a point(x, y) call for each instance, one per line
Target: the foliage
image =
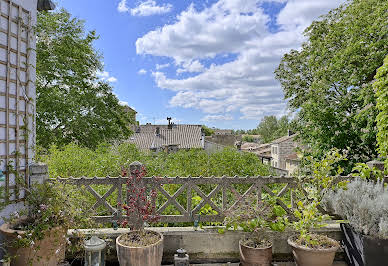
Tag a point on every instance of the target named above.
point(381, 88)
point(73, 104)
point(308, 217)
point(252, 216)
point(140, 207)
point(48, 205)
point(248, 139)
point(271, 128)
point(362, 170)
point(329, 80)
point(364, 204)
point(316, 178)
point(76, 161)
point(208, 131)
point(318, 175)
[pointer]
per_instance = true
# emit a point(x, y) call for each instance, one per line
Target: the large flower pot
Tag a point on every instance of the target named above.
point(150, 255)
point(305, 256)
point(255, 256)
point(46, 252)
point(363, 250)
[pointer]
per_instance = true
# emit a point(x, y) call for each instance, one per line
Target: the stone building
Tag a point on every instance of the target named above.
point(280, 149)
point(292, 163)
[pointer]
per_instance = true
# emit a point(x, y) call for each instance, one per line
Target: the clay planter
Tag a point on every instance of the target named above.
point(46, 252)
point(140, 256)
point(255, 256)
point(305, 256)
point(363, 250)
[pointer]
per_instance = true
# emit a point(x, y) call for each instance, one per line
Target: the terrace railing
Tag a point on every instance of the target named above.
point(219, 194)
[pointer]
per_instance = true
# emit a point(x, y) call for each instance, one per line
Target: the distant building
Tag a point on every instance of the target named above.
point(292, 163)
point(169, 138)
point(223, 132)
point(264, 153)
point(132, 114)
point(280, 149)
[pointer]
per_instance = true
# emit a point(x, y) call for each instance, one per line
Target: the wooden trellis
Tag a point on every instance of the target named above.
point(15, 105)
point(259, 186)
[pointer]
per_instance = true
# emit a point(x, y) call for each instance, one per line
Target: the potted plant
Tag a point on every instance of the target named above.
point(256, 218)
point(364, 204)
point(36, 235)
point(309, 248)
point(139, 247)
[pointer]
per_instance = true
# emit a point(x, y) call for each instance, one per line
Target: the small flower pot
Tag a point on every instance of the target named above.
point(363, 250)
point(150, 255)
point(305, 256)
point(255, 256)
point(48, 251)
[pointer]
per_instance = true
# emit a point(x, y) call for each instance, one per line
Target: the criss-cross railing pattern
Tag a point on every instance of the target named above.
point(221, 195)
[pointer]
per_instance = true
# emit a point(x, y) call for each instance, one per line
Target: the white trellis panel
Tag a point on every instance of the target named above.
point(17, 94)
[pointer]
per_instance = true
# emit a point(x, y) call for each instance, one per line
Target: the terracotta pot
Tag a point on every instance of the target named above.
point(46, 252)
point(140, 256)
point(305, 256)
point(255, 256)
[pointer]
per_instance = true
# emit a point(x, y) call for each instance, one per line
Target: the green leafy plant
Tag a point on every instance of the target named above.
point(308, 218)
point(49, 206)
point(255, 217)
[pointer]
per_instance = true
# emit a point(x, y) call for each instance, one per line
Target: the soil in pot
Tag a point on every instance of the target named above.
point(48, 251)
point(320, 254)
point(140, 248)
point(255, 252)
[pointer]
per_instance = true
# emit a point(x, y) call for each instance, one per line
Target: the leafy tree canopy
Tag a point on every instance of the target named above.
point(73, 104)
point(381, 88)
point(207, 130)
point(329, 80)
point(271, 128)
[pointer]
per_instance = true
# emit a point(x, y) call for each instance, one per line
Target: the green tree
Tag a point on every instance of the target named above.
point(381, 88)
point(271, 128)
point(208, 131)
point(73, 104)
point(329, 80)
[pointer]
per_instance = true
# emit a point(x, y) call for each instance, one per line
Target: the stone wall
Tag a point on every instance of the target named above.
point(207, 245)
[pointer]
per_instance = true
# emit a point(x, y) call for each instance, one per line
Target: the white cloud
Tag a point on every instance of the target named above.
point(145, 8)
point(142, 71)
point(122, 7)
point(210, 118)
point(105, 76)
point(246, 84)
point(192, 66)
point(112, 79)
point(161, 66)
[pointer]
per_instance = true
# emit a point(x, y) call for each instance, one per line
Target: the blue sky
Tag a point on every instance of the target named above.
point(201, 62)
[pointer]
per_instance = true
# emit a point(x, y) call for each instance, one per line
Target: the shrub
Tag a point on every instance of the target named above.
point(364, 204)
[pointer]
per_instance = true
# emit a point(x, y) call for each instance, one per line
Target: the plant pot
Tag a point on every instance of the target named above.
point(46, 252)
point(150, 255)
point(363, 250)
point(305, 256)
point(255, 256)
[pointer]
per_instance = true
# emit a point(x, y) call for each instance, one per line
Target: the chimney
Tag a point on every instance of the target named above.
point(169, 123)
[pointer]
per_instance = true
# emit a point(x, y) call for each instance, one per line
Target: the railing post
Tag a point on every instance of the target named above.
point(135, 169)
point(38, 173)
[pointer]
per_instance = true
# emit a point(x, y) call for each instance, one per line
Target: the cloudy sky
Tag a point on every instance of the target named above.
point(201, 61)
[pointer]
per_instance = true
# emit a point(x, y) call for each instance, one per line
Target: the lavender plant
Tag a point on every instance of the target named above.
point(364, 204)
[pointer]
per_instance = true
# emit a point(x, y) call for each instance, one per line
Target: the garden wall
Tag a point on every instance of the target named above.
point(207, 245)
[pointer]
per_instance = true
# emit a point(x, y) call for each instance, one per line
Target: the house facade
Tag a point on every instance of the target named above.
point(280, 149)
